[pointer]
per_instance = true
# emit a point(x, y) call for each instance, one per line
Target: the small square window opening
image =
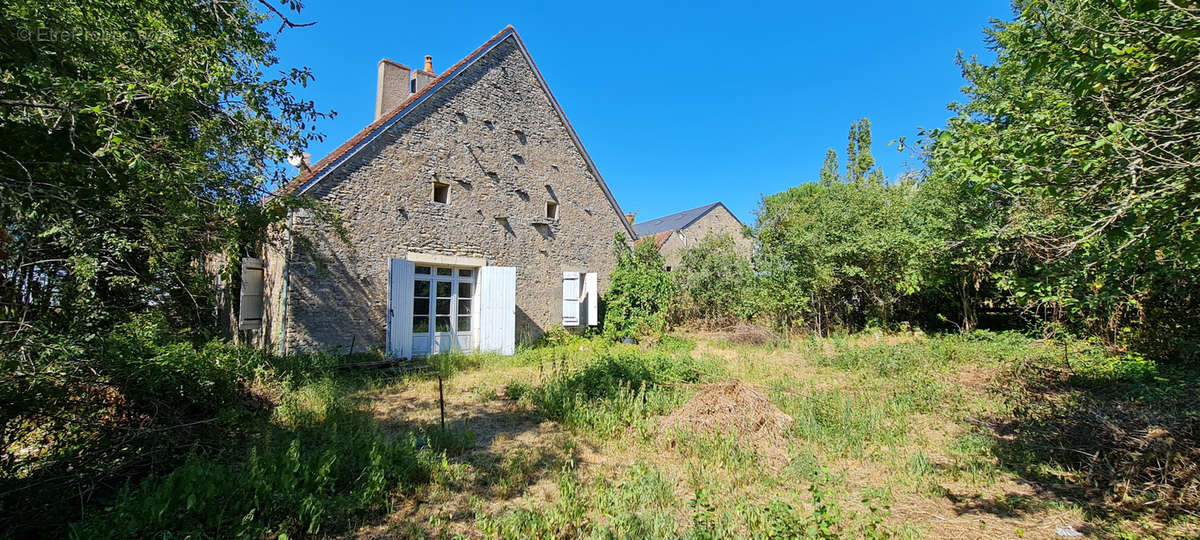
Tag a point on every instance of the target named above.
point(441, 192)
point(551, 210)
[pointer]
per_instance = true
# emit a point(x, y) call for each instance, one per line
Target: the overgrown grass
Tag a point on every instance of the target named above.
point(302, 455)
point(615, 388)
point(323, 463)
point(172, 438)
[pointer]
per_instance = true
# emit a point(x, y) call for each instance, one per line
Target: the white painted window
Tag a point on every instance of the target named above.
point(443, 309)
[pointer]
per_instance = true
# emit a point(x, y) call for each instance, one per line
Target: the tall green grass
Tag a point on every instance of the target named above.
point(321, 462)
point(639, 504)
point(614, 389)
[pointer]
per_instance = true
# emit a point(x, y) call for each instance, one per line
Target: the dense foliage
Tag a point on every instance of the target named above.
point(713, 278)
point(1063, 195)
point(138, 140)
point(640, 291)
point(1083, 134)
point(837, 253)
point(319, 464)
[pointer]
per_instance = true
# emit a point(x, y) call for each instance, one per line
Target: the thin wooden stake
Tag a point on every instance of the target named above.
point(442, 401)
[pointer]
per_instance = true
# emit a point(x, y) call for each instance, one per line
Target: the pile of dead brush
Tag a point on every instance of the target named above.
point(735, 408)
point(1126, 455)
point(748, 334)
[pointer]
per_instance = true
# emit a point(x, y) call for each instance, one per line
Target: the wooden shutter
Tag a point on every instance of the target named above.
point(497, 309)
point(250, 301)
point(591, 305)
point(571, 285)
point(400, 308)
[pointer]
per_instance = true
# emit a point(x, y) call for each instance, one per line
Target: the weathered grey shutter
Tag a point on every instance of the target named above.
point(570, 298)
point(250, 301)
point(498, 309)
point(591, 294)
point(400, 308)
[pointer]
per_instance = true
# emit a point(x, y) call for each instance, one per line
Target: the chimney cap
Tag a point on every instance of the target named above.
point(429, 63)
point(394, 63)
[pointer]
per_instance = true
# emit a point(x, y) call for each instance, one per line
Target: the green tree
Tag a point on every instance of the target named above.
point(714, 277)
point(640, 291)
point(963, 230)
point(138, 138)
point(829, 170)
point(860, 162)
point(1089, 138)
point(137, 142)
point(837, 254)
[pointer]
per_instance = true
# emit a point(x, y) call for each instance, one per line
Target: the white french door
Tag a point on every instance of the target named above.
point(443, 309)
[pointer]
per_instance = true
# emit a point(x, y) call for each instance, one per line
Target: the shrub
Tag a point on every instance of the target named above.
point(639, 293)
point(332, 462)
point(713, 277)
point(87, 412)
point(159, 428)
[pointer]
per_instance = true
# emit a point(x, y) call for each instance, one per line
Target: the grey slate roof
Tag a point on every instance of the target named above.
point(675, 221)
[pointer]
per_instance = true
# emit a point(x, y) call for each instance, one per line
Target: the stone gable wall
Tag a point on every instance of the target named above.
point(494, 137)
point(716, 221)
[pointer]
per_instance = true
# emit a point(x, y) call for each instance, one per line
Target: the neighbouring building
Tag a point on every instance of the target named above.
point(671, 234)
point(472, 218)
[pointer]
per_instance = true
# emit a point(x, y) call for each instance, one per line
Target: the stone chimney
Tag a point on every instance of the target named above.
point(393, 87)
point(421, 78)
point(397, 82)
point(629, 218)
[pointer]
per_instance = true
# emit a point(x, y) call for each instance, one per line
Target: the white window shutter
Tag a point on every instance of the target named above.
point(591, 296)
point(250, 300)
point(570, 299)
point(400, 308)
point(498, 309)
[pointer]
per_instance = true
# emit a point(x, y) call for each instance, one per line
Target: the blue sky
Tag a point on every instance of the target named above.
point(679, 104)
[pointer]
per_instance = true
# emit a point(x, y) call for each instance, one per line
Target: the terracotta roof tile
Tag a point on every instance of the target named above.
point(661, 238)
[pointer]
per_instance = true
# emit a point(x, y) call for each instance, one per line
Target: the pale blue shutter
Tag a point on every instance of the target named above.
point(498, 309)
point(400, 308)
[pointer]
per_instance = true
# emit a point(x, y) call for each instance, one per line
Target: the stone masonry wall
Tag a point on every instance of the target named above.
point(716, 221)
point(494, 137)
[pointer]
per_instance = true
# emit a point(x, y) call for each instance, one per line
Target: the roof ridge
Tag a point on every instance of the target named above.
point(676, 221)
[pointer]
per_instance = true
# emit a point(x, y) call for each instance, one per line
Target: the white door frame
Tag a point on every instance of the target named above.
point(449, 281)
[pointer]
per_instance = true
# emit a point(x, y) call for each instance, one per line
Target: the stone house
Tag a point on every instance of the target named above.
point(671, 234)
point(472, 218)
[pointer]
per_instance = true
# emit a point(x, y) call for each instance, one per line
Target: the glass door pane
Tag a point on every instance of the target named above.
point(463, 313)
point(421, 290)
